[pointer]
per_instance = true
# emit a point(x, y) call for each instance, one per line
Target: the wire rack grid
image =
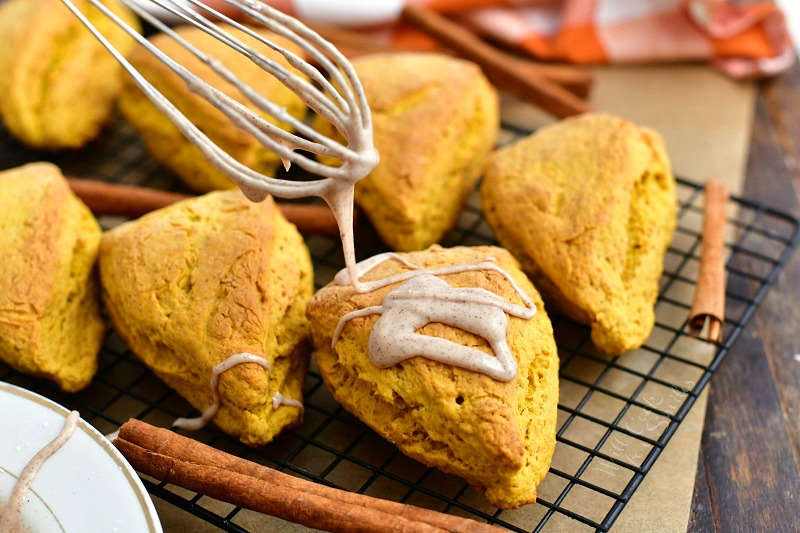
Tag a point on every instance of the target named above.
point(616, 415)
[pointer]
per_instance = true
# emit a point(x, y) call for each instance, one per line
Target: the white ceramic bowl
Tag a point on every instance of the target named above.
point(86, 486)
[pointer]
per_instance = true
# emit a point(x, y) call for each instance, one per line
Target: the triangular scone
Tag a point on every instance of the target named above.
point(192, 284)
point(50, 324)
point(588, 206)
point(435, 120)
point(58, 83)
point(499, 436)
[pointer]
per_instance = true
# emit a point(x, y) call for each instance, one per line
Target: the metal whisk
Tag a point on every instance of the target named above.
point(335, 94)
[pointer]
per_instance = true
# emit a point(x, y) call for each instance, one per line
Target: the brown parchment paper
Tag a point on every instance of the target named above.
point(705, 119)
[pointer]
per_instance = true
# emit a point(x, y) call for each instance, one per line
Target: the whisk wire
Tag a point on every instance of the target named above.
point(317, 100)
point(285, 25)
point(334, 149)
point(299, 34)
point(293, 59)
point(241, 115)
point(344, 110)
point(197, 85)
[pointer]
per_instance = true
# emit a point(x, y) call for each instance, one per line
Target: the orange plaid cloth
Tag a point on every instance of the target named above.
point(743, 40)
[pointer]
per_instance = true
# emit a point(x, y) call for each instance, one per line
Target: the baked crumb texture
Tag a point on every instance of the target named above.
point(190, 285)
point(50, 323)
point(57, 82)
point(499, 436)
point(435, 120)
point(167, 144)
point(588, 206)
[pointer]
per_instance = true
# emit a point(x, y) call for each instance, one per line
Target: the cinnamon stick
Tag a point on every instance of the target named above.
point(497, 65)
point(708, 305)
point(104, 198)
point(176, 459)
point(312, 219)
point(577, 81)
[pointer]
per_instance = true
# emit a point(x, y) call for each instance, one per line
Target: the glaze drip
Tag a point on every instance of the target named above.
point(279, 399)
point(343, 277)
point(425, 298)
point(210, 412)
point(10, 515)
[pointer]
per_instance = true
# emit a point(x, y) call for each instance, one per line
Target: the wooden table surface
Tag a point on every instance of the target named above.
point(748, 472)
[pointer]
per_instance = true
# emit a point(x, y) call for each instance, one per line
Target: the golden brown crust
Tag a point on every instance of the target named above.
point(499, 436)
point(192, 284)
point(57, 82)
point(50, 323)
point(165, 141)
point(435, 119)
point(588, 206)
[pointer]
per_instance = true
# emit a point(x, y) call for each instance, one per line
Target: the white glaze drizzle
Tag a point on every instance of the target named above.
point(343, 277)
point(210, 412)
point(279, 399)
point(10, 514)
point(425, 298)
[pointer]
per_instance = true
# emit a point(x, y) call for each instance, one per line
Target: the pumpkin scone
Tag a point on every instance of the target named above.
point(193, 284)
point(498, 435)
point(167, 144)
point(588, 206)
point(50, 323)
point(57, 82)
point(435, 120)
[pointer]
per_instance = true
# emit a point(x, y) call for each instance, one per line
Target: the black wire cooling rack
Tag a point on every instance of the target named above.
point(615, 415)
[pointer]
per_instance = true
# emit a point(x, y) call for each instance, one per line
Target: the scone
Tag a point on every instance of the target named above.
point(57, 82)
point(167, 144)
point(588, 206)
point(435, 120)
point(497, 435)
point(192, 284)
point(50, 323)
